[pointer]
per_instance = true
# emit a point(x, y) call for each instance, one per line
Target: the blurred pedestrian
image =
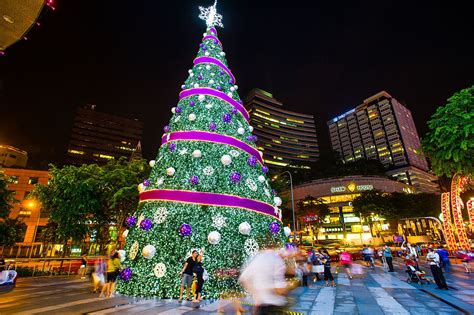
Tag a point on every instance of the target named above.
point(264, 279)
point(83, 268)
point(313, 259)
point(345, 259)
point(98, 276)
point(113, 267)
point(444, 257)
point(434, 261)
point(387, 254)
point(187, 276)
point(326, 259)
point(466, 258)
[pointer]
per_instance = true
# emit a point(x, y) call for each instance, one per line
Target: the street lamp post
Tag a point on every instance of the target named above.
point(292, 201)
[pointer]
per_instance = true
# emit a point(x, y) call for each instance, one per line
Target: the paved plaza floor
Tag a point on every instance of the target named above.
point(374, 292)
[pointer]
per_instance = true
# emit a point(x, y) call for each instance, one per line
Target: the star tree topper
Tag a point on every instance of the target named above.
point(211, 16)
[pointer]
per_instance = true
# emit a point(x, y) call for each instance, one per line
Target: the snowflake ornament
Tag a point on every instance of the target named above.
point(159, 270)
point(211, 16)
point(160, 181)
point(267, 192)
point(177, 119)
point(251, 247)
point(251, 184)
point(218, 221)
point(132, 253)
point(160, 215)
point(208, 170)
point(234, 153)
point(183, 151)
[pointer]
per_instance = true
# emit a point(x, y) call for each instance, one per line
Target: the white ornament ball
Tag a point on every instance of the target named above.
point(170, 171)
point(213, 74)
point(125, 234)
point(191, 75)
point(261, 153)
point(206, 53)
point(277, 201)
point(196, 85)
point(141, 187)
point(208, 67)
point(201, 98)
point(122, 255)
point(241, 131)
point(244, 228)
point(287, 231)
point(229, 94)
point(192, 117)
point(250, 128)
point(211, 81)
point(183, 86)
point(204, 34)
point(208, 106)
point(173, 110)
point(232, 89)
point(236, 87)
point(152, 163)
point(222, 53)
point(148, 251)
point(261, 179)
point(197, 153)
point(214, 237)
point(226, 159)
point(190, 71)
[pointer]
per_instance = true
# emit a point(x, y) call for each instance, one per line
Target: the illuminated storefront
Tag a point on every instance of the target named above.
point(343, 224)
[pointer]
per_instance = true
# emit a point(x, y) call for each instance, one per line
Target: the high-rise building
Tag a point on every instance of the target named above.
point(98, 137)
point(286, 138)
point(382, 128)
point(12, 157)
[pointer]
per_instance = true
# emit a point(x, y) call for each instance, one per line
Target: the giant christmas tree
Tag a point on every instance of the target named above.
point(207, 189)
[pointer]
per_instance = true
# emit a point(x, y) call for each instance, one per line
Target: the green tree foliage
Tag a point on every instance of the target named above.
point(450, 142)
point(89, 197)
point(397, 205)
point(312, 206)
point(12, 231)
point(7, 198)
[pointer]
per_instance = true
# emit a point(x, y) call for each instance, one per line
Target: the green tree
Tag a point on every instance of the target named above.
point(450, 140)
point(12, 231)
point(7, 198)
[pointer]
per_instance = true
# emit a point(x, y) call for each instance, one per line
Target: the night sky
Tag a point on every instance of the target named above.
point(318, 57)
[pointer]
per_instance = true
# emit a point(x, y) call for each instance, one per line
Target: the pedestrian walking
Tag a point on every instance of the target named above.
point(444, 257)
point(83, 268)
point(434, 261)
point(313, 259)
point(326, 259)
point(98, 276)
point(345, 260)
point(264, 279)
point(466, 258)
point(387, 254)
point(113, 268)
point(199, 271)
point(187, 276)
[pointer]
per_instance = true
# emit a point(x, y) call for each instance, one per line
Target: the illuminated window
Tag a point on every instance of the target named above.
point(33, 180)
point(103, 156)
point(24, 213)
point(276, 141)
point(261, 111)
point(275, 163)
point(75, 152)
point(14, 179)
point(295, 121)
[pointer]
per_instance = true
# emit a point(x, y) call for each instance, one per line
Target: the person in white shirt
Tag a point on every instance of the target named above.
point(433, 259)
point(264, 279)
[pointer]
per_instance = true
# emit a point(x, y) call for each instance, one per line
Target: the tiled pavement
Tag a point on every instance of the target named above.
point(375, 292)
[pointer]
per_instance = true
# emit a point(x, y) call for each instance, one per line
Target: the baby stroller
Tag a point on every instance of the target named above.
point(416, 276)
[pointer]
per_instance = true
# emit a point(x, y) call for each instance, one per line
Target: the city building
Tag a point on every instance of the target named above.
point(343, 224)
point(382, 128)
point(12, 157)
point(22, 182)
point(98, 137)
point(286, 138)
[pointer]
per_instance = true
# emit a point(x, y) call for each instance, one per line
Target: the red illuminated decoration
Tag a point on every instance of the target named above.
point(447, 226)
point(457, 187)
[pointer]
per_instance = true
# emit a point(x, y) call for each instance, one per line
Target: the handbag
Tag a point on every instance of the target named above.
point(317, 269)
point(205, 275)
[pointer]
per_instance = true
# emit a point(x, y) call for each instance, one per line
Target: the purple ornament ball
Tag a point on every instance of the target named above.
point(227, 118)
point(126, 274)
point(199, 77)
point(166, 128)
point(221, 72)
point(146, 182)
point(265, 169)
point(212, 126)
point(234, 111)
point(235, 177)
point(185, 229)
point(172, 146)
point(274, 227)
point(252, 161)
point(131, 221)
point(203, 47)
point(178, 110)
point(194, 180)
point(252, 138)
point(192, 103)
point(219, 88)
point(146, 224)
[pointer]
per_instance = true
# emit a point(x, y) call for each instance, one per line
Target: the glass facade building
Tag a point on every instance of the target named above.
point(286, 138)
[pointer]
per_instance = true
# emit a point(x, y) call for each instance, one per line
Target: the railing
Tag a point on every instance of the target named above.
point(35, 267)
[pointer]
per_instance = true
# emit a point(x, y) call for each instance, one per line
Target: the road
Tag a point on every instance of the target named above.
point(374, 292)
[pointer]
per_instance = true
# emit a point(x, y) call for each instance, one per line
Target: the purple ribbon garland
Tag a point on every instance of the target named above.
point(204, 59)
point(207, 198)
point(213, 38)
point(211, 137)
point(218, 94)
